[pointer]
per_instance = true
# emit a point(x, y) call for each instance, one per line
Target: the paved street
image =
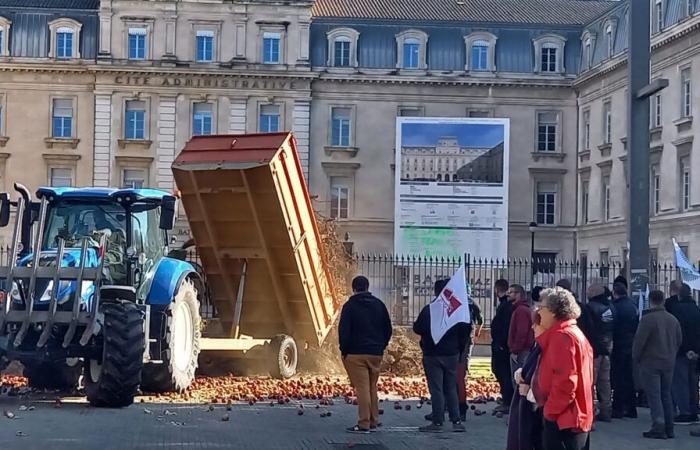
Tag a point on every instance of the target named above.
point(77, 426)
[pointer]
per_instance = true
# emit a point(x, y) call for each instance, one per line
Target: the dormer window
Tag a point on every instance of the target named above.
point(610, 27)
point(4, 36)
point(588, 41)
point(342, 47)
point(549, 54)
point(481, 52)
point(65, 38)
point(587, 52)
point(411, 47)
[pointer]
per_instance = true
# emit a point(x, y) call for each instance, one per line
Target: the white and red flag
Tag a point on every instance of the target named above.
point(450, 307)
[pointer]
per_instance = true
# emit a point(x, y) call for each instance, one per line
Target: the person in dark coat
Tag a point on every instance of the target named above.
point(598, 325)
point(477, 321)
point(440, 365)
point(621, 365)
point(685, 375)
point(364, 333)
point(674, 288)
point(500, 353)
point(525, 420)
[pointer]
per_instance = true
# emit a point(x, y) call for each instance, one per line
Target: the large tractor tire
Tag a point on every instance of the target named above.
point(179, 346)
point(57, 375)
point(285, 356)
point(114, 381)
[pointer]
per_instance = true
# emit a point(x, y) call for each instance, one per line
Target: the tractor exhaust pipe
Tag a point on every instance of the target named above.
point(27, 221)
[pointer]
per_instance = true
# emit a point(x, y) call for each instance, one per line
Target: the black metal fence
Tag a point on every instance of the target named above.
point(406, 283)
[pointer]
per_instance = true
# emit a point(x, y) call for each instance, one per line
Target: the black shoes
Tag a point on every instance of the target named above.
point(654, 434)
point(358, 430)
point(686, 419)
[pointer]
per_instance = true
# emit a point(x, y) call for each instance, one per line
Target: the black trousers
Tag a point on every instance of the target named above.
point(441, 373)
point(622, 377)
point(500, 366)
point(555, 439)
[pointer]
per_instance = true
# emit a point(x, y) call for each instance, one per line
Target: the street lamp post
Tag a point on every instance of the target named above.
point(533, 228)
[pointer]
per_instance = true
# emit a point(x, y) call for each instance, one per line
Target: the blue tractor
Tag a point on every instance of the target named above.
point(90, 291)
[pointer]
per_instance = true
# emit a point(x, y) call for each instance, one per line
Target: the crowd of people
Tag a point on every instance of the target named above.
point(561, 364)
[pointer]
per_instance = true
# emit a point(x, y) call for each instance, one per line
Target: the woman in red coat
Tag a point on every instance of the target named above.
point(565, 374)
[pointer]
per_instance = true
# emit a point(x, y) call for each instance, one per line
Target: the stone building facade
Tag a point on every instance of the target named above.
point(105, 92)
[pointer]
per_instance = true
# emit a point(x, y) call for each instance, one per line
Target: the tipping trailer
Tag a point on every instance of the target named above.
point(251, 218)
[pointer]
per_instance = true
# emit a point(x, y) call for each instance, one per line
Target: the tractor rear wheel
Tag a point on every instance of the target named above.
point(180, 345)
point(285, 356)
point(56, 375)
point(114, 381)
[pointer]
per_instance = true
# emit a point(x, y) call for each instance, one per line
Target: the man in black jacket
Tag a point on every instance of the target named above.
point(598, 325)
point(440, 365)
point(500, 353)
point(364, 332)
point(674, 288)
point(685, 375)
point(622, 369)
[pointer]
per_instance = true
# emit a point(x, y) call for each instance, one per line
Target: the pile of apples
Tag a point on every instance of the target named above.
point(11, 381)
point(253, 390)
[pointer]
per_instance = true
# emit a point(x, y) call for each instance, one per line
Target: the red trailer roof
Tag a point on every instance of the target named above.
point(247, 149)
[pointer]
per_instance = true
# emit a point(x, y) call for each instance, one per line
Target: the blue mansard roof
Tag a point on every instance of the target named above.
point(29, 32)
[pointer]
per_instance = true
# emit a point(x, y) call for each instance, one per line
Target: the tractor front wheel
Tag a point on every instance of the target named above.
point(179, 346)
point(114, 381)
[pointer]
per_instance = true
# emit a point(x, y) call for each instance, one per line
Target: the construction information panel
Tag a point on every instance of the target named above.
point(451, 187)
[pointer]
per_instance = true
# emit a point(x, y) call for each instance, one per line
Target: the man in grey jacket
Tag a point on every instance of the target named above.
point(656, 343)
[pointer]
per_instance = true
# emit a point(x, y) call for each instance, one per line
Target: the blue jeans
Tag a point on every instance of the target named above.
point(657, 386)
point(685, 386)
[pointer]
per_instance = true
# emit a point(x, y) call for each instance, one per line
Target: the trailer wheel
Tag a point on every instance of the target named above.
point(114, 381)
point(286, 356)
point(180, 346)
point(53, 375)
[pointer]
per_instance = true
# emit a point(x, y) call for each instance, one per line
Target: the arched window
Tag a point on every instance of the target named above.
point(549, 53)
point(481, 51)
point(342, 47)
point(65, 38)
point(609, 28)
point(411, 46)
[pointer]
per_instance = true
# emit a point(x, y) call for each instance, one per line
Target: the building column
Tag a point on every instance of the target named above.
point(105, 43)
point(301, 124)
point(103, 140)
point(165, 151)
point(237, 115)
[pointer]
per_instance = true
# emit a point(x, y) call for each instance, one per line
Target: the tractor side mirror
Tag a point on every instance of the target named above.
point(4, 210)
point(168, 212)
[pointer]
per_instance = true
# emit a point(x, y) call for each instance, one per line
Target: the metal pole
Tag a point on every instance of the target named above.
point(532, 259)
point(638, 145)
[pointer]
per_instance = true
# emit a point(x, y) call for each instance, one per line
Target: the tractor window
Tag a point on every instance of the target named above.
point(148, 237)
point(74, 221)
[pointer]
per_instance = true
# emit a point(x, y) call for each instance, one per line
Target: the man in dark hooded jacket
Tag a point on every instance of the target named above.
point(364, 332)
point(685, 375)
point(598, 327)
point(621, 365)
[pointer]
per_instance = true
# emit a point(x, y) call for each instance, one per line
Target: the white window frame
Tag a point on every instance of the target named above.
point(656, 110)
point(685, 180)
point(658, 15)
point(610, 29)
point(469, 42)
point(206, 31)
point(606, 200)
point(557, 131)
point(5, 26)
point(351, 129)
point(607, 121)
point(124, 170)
point(65, 23)
point(588, 41)
point(550, 41)
point(337, 186)
point(349, 34)
point(586, 129)
point(655, 189)
point(146, 117)
point(422, 39)
point(74, 116)
point(51, 177)
point(213, 117)
point(686, 93)
point(280, 114)
point(585, 200)
point(278, 32)
point(138, 31)
point(555, 202)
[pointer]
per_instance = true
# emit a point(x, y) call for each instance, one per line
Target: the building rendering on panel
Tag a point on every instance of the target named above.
point(106, 92)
